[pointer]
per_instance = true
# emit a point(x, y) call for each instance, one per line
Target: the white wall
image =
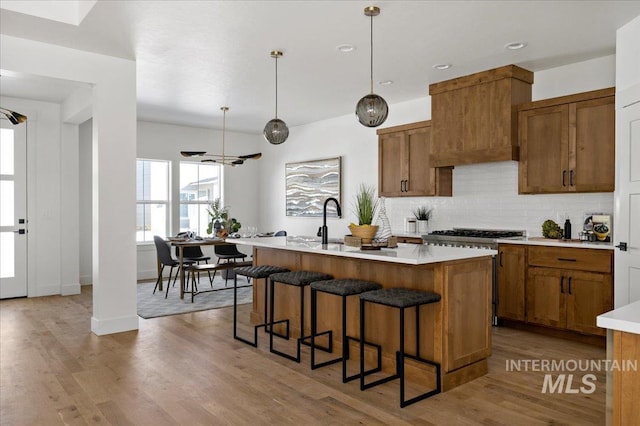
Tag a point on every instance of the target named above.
point(113, 167)
point(485, 195)
point(85, 215)
point(52, 199)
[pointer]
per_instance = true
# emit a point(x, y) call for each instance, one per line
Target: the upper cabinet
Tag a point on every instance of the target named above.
point(474, 120)
point(403, 163)
point(567, 144)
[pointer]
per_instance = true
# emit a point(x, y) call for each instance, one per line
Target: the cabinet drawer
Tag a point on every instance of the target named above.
point(571, 258)
point(410, 240)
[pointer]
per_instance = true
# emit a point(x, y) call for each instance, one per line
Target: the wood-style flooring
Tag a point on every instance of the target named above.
point(187, 369)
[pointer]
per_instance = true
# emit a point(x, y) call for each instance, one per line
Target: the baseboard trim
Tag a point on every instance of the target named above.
point(102, 327)
point(70, 289)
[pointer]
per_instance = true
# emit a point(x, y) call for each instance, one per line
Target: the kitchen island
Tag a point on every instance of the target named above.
point(455, 332)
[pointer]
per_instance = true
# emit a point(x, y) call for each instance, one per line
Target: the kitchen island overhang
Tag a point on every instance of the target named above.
point(456, 332)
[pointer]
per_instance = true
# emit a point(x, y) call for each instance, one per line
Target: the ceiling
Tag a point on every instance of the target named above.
point(195, 56)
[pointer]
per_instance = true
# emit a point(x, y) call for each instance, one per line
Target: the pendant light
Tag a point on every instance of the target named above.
point(225, 160)
point(276, 130)
point(372, 110)
point(14, 117)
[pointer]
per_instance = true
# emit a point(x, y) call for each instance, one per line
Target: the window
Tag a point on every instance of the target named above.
point(152, 195)
point(200, 184)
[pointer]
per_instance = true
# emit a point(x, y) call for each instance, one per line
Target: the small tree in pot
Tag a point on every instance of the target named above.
point(364, 207)
point(219, 220)
point(422, 214)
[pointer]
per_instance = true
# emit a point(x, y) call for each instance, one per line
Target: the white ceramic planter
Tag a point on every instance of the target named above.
point(423, 226)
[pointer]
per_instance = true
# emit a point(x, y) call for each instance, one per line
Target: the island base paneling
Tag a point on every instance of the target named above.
point(454, 332)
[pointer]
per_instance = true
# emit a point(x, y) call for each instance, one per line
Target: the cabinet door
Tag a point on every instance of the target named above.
point(544, 150)
point(447, 114)
point(420, 176)
point(511, 277)
point(592, 144)
point(588, 295)
point(390, 164)
point(545, 297)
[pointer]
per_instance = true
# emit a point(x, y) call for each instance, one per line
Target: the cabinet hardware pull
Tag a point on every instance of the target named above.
point(406, 185)
point(571, 178)
point(564, 259)
point(569, 282)
point(501, 258)
point(401, 186)
point(561, 284)
point(564, 174)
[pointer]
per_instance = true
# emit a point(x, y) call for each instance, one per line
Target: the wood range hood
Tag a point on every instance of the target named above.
point(474, 119)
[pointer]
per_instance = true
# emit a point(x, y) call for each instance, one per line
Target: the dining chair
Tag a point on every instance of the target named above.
point(165, 259)
point(195, 254)
point(228, 253)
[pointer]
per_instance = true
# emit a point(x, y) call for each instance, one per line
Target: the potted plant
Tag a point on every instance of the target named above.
point(219, 220)
point(364, 207)
point(422, 214)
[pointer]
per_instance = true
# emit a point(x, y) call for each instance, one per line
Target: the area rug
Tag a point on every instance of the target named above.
point(155, 305)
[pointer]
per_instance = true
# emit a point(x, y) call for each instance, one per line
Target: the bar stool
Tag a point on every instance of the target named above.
point(255, 272)
point(343, 288)
point(402, 299)
point(300, 279)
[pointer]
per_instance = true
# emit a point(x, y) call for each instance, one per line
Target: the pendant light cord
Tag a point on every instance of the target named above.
point(224, 128)
point(276, 87)
point(371, 54)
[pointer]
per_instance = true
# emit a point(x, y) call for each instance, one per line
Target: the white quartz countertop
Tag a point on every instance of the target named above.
point(539, 241)
point(412, 254)
point(626, 318)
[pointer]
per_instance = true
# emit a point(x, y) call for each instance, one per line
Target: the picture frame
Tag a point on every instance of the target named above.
point(309, 183)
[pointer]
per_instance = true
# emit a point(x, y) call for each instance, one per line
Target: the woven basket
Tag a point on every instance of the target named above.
point(365, 232)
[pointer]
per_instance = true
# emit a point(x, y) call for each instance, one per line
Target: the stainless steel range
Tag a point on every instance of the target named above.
point(479, 238)
point(469, 237)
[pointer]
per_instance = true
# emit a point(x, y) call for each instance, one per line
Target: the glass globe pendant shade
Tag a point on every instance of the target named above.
point(372, 110)
point(276, 131)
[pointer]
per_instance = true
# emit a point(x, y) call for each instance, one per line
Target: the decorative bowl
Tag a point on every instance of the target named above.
point(366, 232)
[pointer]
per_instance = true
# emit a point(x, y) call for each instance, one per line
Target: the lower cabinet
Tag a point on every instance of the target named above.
point(511, 271)
point(567, 299)
point(563, 288)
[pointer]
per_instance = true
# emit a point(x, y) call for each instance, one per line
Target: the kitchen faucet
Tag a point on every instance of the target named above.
point(324, 231)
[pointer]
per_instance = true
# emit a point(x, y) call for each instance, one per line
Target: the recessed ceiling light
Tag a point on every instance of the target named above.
point(515, 45)
point(346, 48)
point(385, 82)
point(442, 66)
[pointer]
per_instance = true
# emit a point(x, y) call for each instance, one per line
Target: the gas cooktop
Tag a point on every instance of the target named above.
point(469, 237)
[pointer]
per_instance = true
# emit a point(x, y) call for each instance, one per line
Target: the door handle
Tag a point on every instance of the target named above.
point(569, 282)
point(571, 178)
point(622, 246)
point(561, 284)
point(406, 185)
point(564, 174)
point(20, 231)
point(501, 258)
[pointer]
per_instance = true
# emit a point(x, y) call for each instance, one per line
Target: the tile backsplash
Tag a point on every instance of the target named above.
point(486, 196)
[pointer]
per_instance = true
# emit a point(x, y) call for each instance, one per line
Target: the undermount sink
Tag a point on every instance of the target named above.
point(312, 239)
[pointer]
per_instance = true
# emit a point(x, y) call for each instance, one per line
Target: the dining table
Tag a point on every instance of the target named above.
point(181, 243)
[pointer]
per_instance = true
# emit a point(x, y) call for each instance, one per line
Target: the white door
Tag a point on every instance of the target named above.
point(626, 225)
point(13, 210)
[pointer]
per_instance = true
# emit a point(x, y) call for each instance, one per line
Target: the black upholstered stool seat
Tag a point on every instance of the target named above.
point(260, 271)
point(345, 286)
point(400, 297)
point(301, 278)
point(256, 272)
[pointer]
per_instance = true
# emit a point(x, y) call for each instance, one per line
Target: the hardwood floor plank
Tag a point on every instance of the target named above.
point(187, 369)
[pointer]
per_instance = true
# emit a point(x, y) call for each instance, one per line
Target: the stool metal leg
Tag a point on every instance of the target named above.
point(266, 325)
